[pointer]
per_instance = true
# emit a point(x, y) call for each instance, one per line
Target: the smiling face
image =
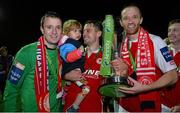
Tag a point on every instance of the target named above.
point(91, 34)
point(131, 20)
point(174, 33)
point(52, 31)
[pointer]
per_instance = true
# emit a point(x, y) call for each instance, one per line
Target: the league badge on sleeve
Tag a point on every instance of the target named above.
point(166, 54)
point(16, 73)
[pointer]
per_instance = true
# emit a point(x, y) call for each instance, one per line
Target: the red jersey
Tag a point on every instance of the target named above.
point(93, 101)
point(171, 95)
point(162, 65)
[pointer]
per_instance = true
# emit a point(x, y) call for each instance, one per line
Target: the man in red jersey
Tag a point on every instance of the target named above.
point(170, 96)
point(93, 101)
point(150, 65)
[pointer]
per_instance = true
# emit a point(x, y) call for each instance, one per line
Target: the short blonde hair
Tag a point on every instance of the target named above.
point(70, 25)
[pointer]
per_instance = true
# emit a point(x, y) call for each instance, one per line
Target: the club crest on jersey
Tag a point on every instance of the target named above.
point(99, 60)
point(166, 54)
point(16, 73)
point(145, 80)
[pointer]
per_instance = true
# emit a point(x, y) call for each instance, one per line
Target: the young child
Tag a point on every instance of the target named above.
point(71, 52)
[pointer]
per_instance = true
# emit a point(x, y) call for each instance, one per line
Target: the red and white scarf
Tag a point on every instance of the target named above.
point(145, 63)
point(41, 77)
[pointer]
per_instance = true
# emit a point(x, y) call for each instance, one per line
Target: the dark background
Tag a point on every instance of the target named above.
point(19, 19)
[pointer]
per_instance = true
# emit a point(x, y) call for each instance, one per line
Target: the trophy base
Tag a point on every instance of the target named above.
point(111, 90)
point(111, 86)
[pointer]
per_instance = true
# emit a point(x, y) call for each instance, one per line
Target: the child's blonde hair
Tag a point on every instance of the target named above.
point(70, 25)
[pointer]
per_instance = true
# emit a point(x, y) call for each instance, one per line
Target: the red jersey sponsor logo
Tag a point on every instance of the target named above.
point(94, 74)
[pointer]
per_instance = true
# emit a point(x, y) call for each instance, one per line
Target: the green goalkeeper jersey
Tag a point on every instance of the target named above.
point(20, 92)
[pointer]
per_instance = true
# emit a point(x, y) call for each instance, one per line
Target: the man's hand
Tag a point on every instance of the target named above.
point(175, 109)
point(81, 48)
point(136, 87)
point(120, 67)
point(73, 75)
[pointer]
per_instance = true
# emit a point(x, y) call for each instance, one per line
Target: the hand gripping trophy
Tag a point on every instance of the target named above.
point(112, 82)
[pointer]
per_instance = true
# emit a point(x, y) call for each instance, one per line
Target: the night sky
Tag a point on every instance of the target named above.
point(19, 19)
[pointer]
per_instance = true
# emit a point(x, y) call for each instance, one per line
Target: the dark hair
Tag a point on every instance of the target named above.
point(49, 14)
point(174, 21)
point(97, 24)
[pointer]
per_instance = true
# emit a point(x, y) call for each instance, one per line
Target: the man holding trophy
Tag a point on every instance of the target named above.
point(143, 59)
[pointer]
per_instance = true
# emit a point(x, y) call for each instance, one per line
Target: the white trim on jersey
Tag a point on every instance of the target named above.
point(160, 61)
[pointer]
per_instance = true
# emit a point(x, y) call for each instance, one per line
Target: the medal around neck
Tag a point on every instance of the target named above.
point(111, 83)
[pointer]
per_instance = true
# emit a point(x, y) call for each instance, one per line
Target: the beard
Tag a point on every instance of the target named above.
point(132, 31)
